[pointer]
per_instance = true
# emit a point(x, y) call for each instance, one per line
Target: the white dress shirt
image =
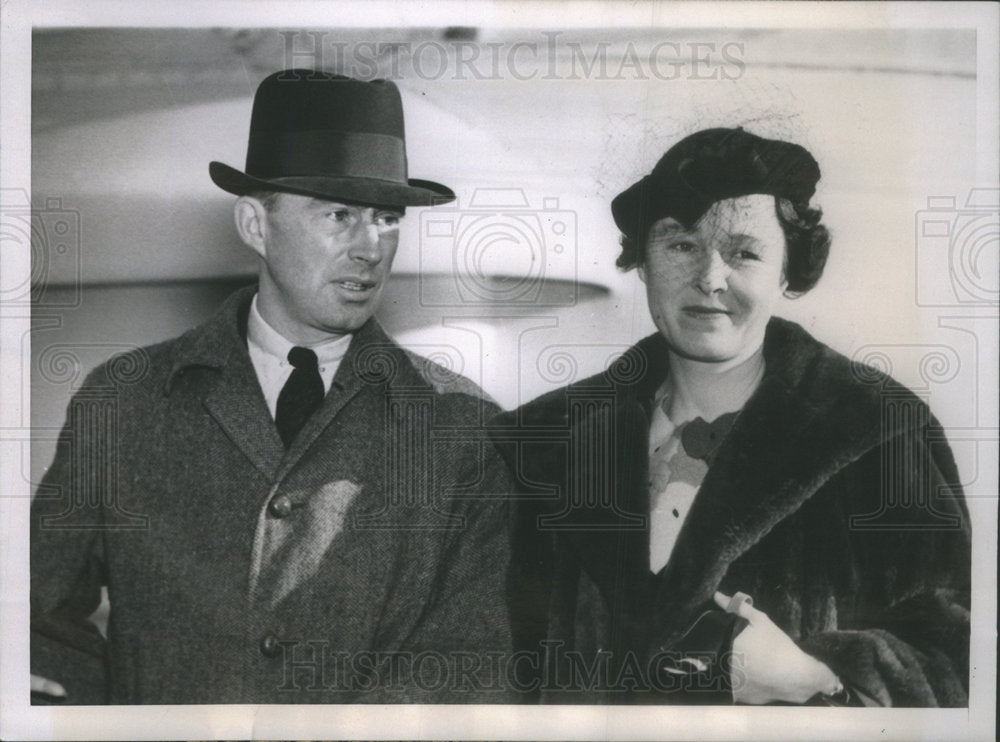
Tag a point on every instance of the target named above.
point(269, 354)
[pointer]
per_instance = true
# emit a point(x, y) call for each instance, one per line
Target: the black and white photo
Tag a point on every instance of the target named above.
point(499, 370)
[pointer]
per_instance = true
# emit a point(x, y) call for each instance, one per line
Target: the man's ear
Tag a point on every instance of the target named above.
point(251, 224)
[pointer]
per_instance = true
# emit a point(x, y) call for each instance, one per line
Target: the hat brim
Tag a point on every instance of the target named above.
point(352, 189)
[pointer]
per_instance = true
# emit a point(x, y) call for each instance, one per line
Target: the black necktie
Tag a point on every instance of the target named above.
point(301, 395)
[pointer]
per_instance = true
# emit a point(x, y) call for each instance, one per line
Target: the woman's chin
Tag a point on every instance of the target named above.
point(709, 348)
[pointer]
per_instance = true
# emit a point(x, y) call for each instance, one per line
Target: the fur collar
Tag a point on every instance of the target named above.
point(813, 413)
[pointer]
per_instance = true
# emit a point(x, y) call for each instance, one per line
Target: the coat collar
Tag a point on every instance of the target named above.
point(373, 362)
point(213, 343)
point(813, 412)
point(236, 401)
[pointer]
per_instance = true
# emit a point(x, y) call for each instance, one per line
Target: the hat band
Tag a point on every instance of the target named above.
point(327, 153)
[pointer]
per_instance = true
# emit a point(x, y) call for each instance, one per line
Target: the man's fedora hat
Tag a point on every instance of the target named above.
point(330, 137)
point(711, 165)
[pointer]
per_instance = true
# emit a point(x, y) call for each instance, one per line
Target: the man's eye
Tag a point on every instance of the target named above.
point(747, 255)
point(387, 220)
point(340, 216)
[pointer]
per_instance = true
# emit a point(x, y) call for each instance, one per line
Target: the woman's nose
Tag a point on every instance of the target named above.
point(713, 272)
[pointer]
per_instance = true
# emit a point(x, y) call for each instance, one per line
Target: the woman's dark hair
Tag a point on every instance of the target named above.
point(807, 246)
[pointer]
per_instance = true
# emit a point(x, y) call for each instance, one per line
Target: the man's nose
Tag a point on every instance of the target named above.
point(713, 272)
point(365, 244)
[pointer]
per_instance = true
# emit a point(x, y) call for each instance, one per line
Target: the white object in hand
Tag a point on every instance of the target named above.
point(770, 665)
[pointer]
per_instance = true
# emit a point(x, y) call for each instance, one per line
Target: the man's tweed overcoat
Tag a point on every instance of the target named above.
point(833, 502)
point(241, 573)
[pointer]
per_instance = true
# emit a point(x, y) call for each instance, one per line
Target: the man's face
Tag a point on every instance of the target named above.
point(325, 265)
point(713, 287)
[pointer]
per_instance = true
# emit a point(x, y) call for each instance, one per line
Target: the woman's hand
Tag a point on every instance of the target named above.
point(772, 668)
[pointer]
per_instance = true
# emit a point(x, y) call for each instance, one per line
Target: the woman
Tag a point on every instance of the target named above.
point(733, 511)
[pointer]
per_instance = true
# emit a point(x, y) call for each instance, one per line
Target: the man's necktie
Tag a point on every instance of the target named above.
point(301, 395)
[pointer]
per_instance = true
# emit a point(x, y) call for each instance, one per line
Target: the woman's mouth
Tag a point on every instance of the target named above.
point(700, 311)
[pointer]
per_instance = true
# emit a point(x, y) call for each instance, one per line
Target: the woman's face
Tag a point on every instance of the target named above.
point(713, 287)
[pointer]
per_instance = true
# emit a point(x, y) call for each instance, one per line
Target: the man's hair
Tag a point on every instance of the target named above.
point(807, 245)
point(269, 199)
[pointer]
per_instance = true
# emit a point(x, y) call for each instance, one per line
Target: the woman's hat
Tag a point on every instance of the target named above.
point(330, 137)
point(709, 166)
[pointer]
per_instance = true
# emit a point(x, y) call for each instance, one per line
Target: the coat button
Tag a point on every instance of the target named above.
point(269, 646)
point(280, 506)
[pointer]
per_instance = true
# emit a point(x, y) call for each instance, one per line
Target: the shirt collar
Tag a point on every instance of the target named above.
point(265, 337)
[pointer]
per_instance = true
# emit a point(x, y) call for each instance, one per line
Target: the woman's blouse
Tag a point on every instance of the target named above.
point(679, 456)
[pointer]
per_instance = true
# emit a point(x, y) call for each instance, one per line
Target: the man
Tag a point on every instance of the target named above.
point(734, 512)
point(284, 505)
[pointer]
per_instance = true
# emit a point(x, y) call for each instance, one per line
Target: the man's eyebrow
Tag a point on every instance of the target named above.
point(322, 203)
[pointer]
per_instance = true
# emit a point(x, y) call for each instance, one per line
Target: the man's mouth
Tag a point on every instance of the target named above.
point(351, 284)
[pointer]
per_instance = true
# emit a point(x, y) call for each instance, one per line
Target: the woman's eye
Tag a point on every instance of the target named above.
point(681, 245)
point(747, 255)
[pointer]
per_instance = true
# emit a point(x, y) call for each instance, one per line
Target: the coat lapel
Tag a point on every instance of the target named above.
point(607, 518)
point(237, 404)
point(790, 438)
point(607, 454)
point(366, 363)
point(235, 401)
point(745, 493)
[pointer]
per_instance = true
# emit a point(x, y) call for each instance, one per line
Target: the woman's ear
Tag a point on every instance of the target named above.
point(251, 223)
point(641, 270)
